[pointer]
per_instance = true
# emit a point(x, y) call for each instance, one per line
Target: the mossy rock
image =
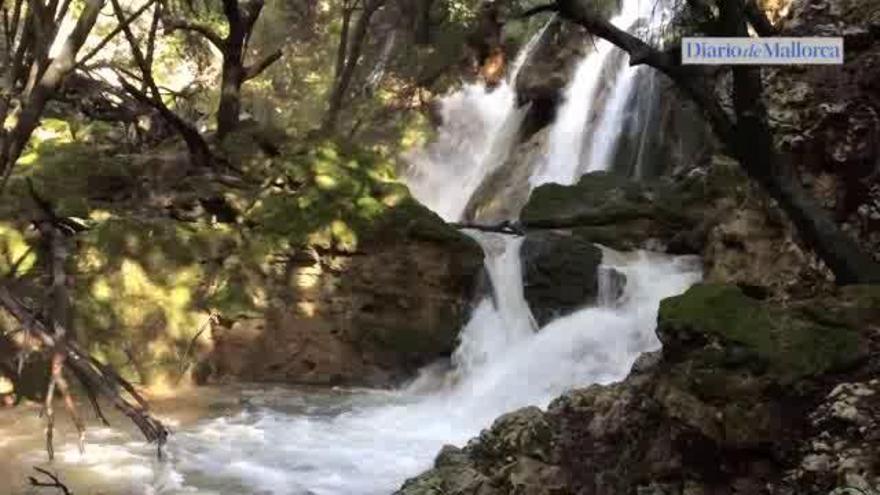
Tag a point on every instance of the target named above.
point(727, 329)
point(611, 210)
point(410, 220)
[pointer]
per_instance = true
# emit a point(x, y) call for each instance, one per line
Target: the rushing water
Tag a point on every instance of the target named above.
point(479, 126)
point(257, 440)
point(367, 442)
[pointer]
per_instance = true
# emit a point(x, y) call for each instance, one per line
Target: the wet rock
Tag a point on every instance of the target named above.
point(560, 273)
point(548, 70)
point(503, 193)
point(733, 328)
point(614, 211)
point(510, 457)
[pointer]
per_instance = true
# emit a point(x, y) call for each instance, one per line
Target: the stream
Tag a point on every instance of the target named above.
point(257, 439)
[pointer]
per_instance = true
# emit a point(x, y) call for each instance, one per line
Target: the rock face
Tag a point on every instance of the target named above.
point(369, 317)
point(715, 212)
point(560, 273)
point(716, 412)
point(828, 118)
point(504, 192)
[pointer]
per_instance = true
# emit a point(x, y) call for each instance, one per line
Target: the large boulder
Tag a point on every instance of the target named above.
point(505, 191)
point(373, 316)
point(560, 273)
point(612, 210)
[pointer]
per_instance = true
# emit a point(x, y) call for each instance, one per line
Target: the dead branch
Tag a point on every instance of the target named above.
point(172, 25)
point(510, 228)
point(184, 361)
point(53, 482)
point(93, 374)
point(540, 9)
point(255, 70)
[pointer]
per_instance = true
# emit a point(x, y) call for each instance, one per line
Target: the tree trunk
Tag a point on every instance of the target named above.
point(32, 109)
point(199, 152)
point(343, 81)
point(233, 70)
point(753, 147)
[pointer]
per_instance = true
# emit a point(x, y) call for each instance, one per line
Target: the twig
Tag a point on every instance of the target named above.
point(551, 7)
point(184, 364)
point(53, 483)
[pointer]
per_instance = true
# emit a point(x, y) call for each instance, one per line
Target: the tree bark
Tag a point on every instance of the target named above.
point(93, 375)
point(749, 139)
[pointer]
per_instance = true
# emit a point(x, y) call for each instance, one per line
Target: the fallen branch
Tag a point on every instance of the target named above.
point(540, 9)
point(91, 373)
point(53, 482)
point(505, 227)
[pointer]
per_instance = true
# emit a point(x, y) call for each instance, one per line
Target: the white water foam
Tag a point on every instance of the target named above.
point(479, 125)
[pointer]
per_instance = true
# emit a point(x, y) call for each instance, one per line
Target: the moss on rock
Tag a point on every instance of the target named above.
point(782, 341)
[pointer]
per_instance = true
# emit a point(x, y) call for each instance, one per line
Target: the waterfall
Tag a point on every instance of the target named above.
point(591, 119)
point(479, 125)
point(358, 442)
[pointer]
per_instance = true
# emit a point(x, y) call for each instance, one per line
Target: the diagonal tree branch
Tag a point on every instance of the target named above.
point(255, 70)
point(748, 139)
point(107, 39)
point(172, 25)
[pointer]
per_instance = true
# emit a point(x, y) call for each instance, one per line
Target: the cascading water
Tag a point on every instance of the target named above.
point(479, 126)
point(586, 132)
point(368, 442)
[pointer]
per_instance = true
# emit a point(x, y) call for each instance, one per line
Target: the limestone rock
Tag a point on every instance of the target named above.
point(372, 317)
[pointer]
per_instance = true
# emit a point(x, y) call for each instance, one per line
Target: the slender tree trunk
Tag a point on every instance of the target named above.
point(343, 81)
point(241, 19)
point(753, 146)
point(423, 22)
point(230, 86)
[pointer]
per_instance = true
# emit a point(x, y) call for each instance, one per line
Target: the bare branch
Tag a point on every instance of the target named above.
point(255, 70)
point(114, 33)
point(92, 373)
point(511, 228)
point(53, 482)
point(540, 9)
point(205, 31)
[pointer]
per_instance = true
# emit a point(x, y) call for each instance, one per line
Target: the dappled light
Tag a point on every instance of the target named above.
point(469, 247)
